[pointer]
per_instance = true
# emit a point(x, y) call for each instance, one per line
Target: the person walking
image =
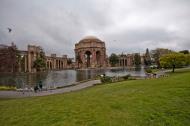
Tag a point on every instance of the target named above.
point(40, 85)
point(36, 88)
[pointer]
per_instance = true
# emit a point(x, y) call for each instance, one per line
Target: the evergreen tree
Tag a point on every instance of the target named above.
point(137, 59)
point(147, 60)
point(114, 59)
point(39, 63)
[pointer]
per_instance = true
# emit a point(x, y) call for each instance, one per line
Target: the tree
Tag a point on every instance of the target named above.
point(184, 51)
point(147, 60)
point(69, 61)
point(137, 59)
point(18, 60)
point(156, 57)
point(113, 59)
point(174, 60)
point(42, 54)
point(78, 59)
point(39, 64)
point(157, 53)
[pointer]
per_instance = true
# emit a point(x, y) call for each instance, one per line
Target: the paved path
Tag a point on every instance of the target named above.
point(16, 94)
point(162, 72)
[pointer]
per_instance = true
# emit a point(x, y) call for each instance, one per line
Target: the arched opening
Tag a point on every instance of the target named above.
point(125, 62)
point(62, 65)
point(98, 56)
point(88, 56)
point(50, 65)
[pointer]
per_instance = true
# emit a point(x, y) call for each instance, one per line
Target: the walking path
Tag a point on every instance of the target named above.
point(16, 94)
point(163, 72)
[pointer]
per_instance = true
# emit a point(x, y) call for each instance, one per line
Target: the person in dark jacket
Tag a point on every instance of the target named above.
point(35, 88)
point(40, 85)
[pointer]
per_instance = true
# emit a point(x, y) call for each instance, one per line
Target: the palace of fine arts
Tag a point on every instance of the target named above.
point(94, 63)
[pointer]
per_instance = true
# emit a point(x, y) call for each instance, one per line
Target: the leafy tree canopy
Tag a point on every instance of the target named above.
point(137, 59)
point(184, 51)
point(39, 64)
point(173, 60)
point(69, 61)
point(147, 59)
point(113, 59)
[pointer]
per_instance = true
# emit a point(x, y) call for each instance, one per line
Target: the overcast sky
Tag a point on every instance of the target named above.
point(125, 25)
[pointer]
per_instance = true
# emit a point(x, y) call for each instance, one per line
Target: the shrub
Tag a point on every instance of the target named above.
point(7, 88)
point(131, 78)
point(126, 77)
point(106, 79)
point(149, 70)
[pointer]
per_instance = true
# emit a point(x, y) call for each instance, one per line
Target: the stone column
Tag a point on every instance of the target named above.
point(103, 55)
point(93, 62)
point(48, 65)
point(25, 63)
point(34, 58)
point(63, 64)
point(58, 64)
point(82, 56)
point(101, 58)
point(54, 63)
point(29, 62)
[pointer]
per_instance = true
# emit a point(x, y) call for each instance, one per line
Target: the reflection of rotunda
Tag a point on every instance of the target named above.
point(90, 52)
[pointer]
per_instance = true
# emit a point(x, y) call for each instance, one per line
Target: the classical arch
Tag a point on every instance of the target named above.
point(50, 65)
point(88, 56)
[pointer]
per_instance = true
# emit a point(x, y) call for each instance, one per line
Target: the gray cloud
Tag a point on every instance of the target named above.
point(125, 25)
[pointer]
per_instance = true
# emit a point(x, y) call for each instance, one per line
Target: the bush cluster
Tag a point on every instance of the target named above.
point(126, 77)
point(106, 79)
point(149, 70)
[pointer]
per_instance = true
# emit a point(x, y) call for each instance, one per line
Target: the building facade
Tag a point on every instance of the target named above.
point(56, 63)
point(128, 60)
point(90, 52)
point(13, 60)
point(8, 58)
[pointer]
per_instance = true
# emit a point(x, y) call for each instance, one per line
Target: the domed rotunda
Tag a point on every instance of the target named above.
point(90, 52)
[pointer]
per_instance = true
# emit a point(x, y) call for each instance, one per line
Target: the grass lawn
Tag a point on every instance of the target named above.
point(2, 88)
point(154, 102)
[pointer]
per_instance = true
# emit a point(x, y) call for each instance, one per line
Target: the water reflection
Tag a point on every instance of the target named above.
point(64, 77)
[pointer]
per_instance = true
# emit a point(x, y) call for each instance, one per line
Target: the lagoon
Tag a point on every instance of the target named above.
point(52, 79)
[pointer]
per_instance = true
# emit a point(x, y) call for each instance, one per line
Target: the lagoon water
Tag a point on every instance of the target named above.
point(53, 79)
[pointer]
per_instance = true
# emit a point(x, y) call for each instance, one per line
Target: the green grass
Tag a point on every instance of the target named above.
point(7, 88)
point(155, 70)
point(153, 102)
